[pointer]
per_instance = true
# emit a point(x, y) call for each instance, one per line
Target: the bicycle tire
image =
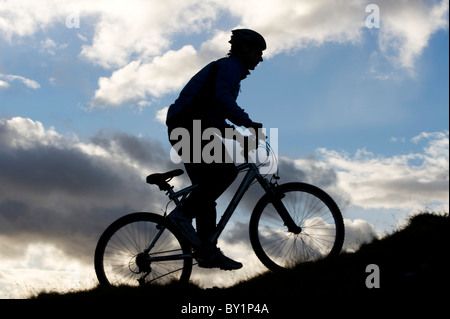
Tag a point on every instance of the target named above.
point(322, 227)
point(116, 255)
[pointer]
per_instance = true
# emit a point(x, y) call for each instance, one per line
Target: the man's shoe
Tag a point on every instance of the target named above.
point(216, 259)
point(184, 225)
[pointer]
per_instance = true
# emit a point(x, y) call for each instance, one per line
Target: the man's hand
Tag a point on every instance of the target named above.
point(256, 130)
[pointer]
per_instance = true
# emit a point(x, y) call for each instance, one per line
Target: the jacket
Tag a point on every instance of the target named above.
point(211, 95)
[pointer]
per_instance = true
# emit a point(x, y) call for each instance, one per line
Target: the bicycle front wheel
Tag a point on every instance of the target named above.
point(140, 248)
point(314, 211)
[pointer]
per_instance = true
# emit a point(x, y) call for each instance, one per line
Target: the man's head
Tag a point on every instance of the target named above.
point(248, 46)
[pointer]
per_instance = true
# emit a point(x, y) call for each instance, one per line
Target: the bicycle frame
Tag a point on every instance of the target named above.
point(252, 174)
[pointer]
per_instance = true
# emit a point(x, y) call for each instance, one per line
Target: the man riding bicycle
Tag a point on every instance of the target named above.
point(210, 96)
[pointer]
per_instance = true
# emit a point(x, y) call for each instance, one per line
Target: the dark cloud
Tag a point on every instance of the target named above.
point(44, 169)
point(238, 234)
point(59, 193)
point(312, 172)
point(139, 149)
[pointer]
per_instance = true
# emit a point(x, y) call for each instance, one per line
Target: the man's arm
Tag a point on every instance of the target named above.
point(226, 91)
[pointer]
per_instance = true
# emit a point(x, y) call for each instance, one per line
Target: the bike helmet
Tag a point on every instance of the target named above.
point(247, 36)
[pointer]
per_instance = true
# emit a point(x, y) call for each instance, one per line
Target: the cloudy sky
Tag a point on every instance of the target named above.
point(361, 109)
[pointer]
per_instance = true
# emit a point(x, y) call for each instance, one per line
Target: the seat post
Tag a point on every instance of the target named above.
point(172, 196)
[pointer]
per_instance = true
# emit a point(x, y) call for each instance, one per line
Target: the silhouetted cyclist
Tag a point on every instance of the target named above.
point(210, 96)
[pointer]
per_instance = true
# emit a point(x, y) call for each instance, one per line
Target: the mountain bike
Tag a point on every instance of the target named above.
point(292, 223)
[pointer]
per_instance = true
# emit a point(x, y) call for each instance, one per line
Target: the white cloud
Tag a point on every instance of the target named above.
point(4, 84)
point(41, 267)
point(163, 74)
point(357, 233)
point(49, 46)
point(284, 28)
point(136, 80)
point(24, 133)
point(32, 84)
point(406, 25)
point(143, 28)
point(290, 25)
point(406, 28)
point(136, 39)
point(293, 25)
point(25, 17)
point(411, 181)
point(161, 115)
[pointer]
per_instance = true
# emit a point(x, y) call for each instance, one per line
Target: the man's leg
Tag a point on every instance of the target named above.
point(213, 179)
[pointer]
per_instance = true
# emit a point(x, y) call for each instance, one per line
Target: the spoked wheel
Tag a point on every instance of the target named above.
point(320, 233)
point(139, 249)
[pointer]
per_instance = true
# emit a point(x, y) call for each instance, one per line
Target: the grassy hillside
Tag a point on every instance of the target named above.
point(413, 273)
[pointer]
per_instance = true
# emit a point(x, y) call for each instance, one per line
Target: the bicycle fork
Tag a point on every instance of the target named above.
point(292, 227)
point(275, 197)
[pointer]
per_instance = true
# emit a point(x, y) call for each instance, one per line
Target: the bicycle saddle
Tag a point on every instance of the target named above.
point(161, 179)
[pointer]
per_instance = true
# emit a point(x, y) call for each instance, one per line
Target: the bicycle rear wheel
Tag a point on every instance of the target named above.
point(140, 248)
point(322, 227)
